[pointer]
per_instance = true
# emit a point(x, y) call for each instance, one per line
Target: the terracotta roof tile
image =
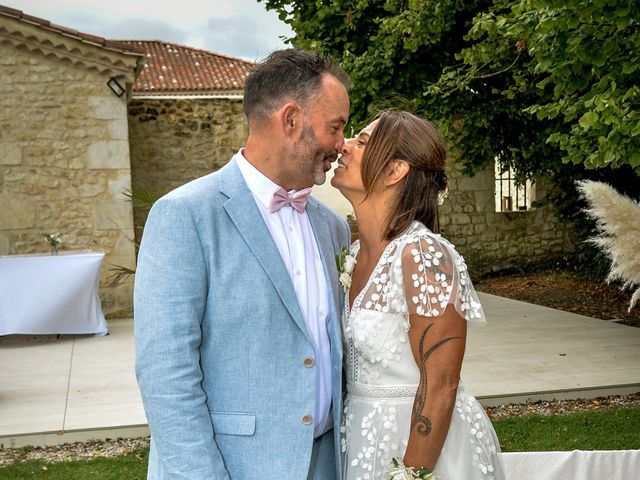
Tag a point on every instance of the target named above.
point(172, 68)
point(169, 68)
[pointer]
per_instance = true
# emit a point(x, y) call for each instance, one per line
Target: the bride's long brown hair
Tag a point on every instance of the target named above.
point(400, 135)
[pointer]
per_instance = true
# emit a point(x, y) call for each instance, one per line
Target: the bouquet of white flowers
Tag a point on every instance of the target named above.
point(399, 471)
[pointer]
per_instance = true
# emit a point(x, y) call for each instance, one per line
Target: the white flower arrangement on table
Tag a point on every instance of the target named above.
point(399, 471)
point(345, 264)
point(53, 239)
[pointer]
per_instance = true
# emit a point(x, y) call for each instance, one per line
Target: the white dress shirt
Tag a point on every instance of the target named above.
point(292, 233)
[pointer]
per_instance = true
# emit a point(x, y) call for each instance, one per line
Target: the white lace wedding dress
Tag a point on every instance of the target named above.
point(419, 273)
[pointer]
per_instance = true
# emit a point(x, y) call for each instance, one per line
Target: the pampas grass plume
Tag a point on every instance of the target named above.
point(618, 220)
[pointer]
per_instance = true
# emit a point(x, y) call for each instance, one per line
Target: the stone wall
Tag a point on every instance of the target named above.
point(491, 241)
point(488, 240)
point(174, 141)
point(64, 162)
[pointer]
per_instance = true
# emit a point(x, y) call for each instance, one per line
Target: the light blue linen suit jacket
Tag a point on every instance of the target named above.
point(221, 341)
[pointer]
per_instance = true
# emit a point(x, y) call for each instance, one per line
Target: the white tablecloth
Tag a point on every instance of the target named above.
point(578, 464)
point(47, 294)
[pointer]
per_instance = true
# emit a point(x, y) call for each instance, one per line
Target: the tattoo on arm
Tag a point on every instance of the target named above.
point(419, 420)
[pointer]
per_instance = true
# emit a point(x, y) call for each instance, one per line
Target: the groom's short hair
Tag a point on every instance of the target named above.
point(285, 75)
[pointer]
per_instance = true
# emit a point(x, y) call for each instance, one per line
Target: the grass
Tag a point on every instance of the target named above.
point(612, 429)
point(131, 466)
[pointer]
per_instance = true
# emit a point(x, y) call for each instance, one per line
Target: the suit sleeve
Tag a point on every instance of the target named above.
point(171, 284)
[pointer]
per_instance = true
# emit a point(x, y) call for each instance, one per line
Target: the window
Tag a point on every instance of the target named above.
point(510, 196)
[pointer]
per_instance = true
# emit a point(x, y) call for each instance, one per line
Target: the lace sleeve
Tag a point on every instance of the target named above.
point(434, 276)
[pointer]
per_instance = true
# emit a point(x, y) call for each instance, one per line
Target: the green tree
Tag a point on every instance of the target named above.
point(573, 65)
point(550, 88)
point(547, 87)
point(391, 49)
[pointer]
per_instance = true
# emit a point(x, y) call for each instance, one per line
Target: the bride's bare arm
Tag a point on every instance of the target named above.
point(438, 345)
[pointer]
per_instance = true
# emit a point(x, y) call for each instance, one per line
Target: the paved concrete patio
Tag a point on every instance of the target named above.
point(57, 390)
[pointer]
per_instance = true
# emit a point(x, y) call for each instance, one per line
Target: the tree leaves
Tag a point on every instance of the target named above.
point(572, 66)
point(550, 87)
point(588, 119)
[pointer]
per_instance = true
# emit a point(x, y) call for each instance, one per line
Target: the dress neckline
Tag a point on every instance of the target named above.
point(358, 299)
point(415, 225)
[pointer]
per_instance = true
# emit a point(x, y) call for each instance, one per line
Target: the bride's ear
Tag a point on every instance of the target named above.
point(396, 172)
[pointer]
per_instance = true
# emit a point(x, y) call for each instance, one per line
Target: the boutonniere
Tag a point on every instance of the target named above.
point(345, 264)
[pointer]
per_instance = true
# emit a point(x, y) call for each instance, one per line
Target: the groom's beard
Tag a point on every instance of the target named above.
point(313, 160)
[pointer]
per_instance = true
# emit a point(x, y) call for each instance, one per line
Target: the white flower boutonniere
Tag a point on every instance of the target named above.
point(345, 264)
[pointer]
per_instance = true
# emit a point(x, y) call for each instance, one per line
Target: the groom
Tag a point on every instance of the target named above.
point(236, 296)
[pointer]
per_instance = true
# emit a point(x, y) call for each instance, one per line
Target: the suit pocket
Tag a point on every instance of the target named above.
point(233, 423)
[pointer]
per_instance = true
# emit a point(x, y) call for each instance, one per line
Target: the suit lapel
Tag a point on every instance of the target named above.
point(246, 216)
point(327, 246)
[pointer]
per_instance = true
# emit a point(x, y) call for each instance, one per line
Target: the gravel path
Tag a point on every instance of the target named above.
point(74, 451)
point(120, 446)
point(560, 407)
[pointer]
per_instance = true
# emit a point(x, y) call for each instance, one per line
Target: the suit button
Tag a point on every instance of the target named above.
point(308, 362)
point(307, 419)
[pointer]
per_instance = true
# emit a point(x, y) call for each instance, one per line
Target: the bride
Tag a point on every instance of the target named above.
point(407, 305)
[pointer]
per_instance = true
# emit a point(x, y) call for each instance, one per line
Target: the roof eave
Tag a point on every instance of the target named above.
point(191, 94)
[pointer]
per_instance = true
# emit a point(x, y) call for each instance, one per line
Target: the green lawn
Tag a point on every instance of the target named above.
point(132, 466)
point(615, 429)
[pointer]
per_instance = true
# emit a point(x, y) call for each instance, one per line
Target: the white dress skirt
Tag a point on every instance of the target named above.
point(419, 273)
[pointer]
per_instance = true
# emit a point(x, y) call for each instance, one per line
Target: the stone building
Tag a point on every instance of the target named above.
point(185, 116)
point(70, 147)
point(495, 235)
point(64, 144)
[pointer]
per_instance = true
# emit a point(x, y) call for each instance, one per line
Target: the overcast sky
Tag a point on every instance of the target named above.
point(239, 28)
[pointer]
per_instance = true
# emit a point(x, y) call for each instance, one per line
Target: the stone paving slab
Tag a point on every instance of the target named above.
point(529, 352)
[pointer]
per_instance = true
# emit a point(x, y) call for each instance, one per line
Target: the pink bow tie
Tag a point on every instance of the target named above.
point(297, 200)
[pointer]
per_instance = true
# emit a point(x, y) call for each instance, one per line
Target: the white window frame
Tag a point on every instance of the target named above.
point(509, 195)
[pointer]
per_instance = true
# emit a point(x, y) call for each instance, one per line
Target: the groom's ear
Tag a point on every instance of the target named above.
point(290, 118)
